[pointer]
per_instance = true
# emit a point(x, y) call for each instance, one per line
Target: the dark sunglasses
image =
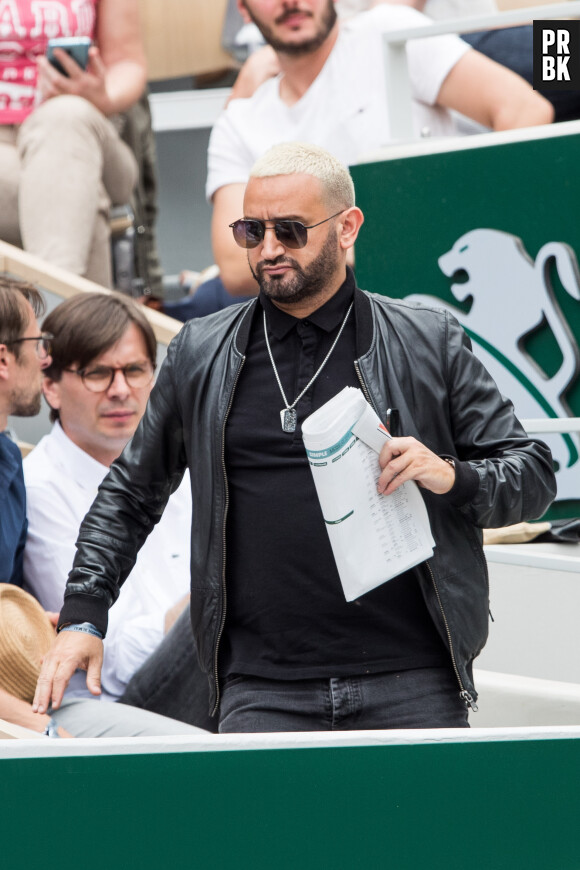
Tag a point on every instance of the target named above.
point(248, 233)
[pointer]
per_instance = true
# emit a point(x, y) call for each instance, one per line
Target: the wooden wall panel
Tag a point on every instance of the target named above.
point(183, 37)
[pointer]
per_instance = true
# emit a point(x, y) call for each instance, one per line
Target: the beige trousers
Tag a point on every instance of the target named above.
point(60, 171)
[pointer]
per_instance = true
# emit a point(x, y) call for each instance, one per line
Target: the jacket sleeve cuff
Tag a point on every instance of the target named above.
point(466, 483)
point(85, 608)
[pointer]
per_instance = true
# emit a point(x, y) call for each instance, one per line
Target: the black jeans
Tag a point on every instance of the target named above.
point(420, 698)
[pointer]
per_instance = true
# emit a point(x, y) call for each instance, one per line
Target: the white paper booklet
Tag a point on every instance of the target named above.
point(373, 537)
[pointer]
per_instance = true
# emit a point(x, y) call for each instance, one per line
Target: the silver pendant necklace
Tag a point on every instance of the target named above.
point(288, 416)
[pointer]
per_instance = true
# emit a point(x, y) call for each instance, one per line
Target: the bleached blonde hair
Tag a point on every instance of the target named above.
point(293, 158)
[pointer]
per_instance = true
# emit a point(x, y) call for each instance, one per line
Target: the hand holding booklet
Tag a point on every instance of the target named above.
point(373, 537)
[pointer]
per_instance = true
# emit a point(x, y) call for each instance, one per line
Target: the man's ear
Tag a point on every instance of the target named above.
point(51, 390)
point(351, 220)
point(4, 362)
point(243, 11)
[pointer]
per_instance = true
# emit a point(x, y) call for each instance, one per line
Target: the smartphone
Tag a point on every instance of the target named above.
point(76, 47)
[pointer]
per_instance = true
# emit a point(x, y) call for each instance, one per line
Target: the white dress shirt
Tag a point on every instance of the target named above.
point(61, 484)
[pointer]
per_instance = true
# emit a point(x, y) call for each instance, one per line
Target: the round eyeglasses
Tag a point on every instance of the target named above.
point(43, 343)
point(249, 232)
point(100, 378)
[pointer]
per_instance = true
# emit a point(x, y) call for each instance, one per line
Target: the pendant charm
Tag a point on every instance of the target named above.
point(288, 419)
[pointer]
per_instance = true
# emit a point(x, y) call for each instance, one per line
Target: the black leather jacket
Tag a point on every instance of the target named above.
point(414, 359)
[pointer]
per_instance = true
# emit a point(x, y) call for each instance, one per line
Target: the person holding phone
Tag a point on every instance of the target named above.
point(62, 162)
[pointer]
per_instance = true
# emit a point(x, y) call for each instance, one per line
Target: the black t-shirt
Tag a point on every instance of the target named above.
point(286, 615)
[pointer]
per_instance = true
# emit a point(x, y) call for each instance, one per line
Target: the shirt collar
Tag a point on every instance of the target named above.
point(88, 472)
point(327, 317)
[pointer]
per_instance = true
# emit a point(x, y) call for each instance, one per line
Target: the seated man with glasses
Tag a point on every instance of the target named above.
point(24, 353)
point(97, 386)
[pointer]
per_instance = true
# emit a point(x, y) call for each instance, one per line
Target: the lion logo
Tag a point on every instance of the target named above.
point(510, 296)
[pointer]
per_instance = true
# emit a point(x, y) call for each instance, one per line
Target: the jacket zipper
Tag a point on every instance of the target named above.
point(227, 501)
point(364, 386)
point(465, 696)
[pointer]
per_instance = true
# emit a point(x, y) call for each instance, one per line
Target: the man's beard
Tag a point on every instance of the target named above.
point(297, 49)
point(305, 282)
point(28, 406)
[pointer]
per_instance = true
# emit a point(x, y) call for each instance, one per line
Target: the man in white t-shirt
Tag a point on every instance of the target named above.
point(331, 92)
point(97, 386)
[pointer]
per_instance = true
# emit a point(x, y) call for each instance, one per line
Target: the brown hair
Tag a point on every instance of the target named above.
point(14, 316)
point(87, 325)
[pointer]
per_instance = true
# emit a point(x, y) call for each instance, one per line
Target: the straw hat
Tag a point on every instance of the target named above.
point(26, 635)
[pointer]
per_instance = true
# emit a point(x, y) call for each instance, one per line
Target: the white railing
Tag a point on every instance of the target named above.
point(399, 98)
point(187, 110)
point(544, 425)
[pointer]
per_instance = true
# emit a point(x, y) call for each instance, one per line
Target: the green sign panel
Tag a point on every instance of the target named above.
point(455, 806)
point(491, 233)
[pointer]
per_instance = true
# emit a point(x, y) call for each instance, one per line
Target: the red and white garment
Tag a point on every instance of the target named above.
point(25, 28)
